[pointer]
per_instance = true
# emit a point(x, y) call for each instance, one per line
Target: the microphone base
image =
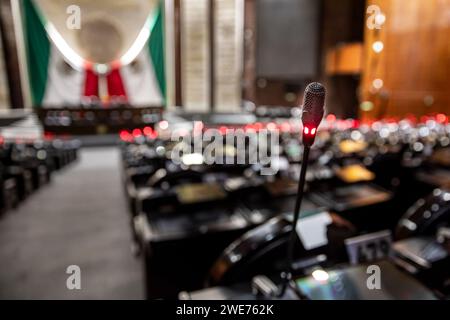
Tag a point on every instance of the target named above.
point(265, 289)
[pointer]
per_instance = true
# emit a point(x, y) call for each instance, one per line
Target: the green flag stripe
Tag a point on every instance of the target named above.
point(38, 51)
point(156, 46)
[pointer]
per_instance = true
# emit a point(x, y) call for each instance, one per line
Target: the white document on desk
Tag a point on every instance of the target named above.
point(312, 230)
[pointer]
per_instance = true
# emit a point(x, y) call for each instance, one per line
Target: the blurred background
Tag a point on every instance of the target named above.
point(89, 90)
point(263, 52)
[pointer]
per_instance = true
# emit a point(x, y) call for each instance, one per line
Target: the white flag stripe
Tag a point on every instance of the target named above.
point(65, 85)
point(140, 81)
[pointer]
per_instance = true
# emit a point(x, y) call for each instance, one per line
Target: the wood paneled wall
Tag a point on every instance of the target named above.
point(341, 21)
point(11, 56)
point(415, 62)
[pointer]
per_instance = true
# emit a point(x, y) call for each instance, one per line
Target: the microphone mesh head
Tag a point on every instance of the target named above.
point(316, 88)
point(313, 105)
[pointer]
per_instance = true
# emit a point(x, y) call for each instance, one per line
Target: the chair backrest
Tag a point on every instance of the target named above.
point(426, 216)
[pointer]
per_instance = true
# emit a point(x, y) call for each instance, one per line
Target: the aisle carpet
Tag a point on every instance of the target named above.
point(81, 219)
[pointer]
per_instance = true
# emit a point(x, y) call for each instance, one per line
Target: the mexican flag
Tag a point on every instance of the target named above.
point(54, 82)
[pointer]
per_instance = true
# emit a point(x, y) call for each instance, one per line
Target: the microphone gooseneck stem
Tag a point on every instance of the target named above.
point(293, 233)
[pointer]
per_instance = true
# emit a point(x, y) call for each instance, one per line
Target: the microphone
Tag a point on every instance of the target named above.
point(313, 110)
point(312, 114)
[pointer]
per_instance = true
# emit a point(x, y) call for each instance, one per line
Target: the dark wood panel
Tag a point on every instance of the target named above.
point(11, 57)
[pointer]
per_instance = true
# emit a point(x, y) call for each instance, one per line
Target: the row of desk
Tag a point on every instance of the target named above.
point(25, 166)
point(203, 225)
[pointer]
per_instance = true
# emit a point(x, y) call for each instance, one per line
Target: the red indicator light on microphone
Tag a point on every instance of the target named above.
point(309, 132)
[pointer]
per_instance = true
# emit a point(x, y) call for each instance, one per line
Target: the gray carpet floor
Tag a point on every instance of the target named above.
point(80, 218)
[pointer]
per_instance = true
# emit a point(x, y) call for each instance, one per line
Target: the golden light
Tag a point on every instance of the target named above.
point(378, 84)
point(366, 106)
point(378, 46)
point(380, 19)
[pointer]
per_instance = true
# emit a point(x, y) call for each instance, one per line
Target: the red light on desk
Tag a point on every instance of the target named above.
point(223, 130)
point(125, 135)
point(137, 133)
point(424, 119)
point(48, 136)
point(258, 126)
point(286, 127)
point(441, 118)
point(331, 117)
point(271, 126)
point(355, 123)
point(249, 128)
point(148, 131)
